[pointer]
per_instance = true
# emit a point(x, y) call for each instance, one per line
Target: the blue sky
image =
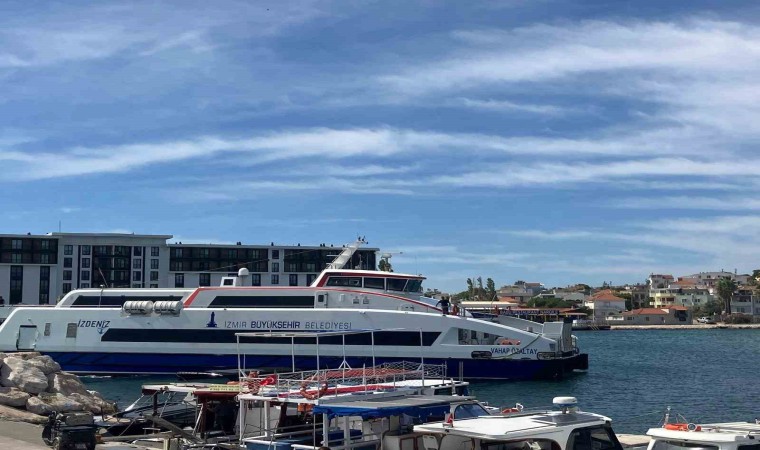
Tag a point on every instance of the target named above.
point(551, 141)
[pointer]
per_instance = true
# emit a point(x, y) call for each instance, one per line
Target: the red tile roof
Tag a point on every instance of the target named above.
point(678, 308)
point(645, 311)
point(606, 295)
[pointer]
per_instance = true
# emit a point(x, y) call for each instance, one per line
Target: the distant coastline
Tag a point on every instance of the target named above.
point(687, 327)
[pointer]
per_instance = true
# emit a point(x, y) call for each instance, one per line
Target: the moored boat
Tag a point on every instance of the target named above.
point(149, 331)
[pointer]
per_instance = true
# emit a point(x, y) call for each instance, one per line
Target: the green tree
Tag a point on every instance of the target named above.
point(628, 300)
point(490, 289)
point(470, 289)
point(726, 288)
point(481, 292)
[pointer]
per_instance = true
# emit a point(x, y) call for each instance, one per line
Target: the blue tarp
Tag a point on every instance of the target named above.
point(370, 412)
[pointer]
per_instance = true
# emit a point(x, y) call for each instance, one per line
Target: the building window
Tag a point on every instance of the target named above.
point(255, 279)
point(176, 265)
point(17, 285)
point(16, 258)
point(85, 249)
point(67, 262)
point(137, 263)
point(85, 263)
point(101, 250)
point(153, 276)
point(293, 279)
point(44, 298)
point(203, 253)
point(154, 251)
point(45, 273)
point(154, 264)
point(67, 275)
point(136, 285)
point(136, 276)
point(68, 249)
point(16, 244)
point(153, 285)
point(179, 280)
point(310, 277)
point(44, 244)
point(275, 254)
point(204, 279)
point(176, 253)
point(86, 275)
point(66, 288)
point(275, 279)
point(275, 267)
point(44, 258)
point(138, 251)
point(85, 285)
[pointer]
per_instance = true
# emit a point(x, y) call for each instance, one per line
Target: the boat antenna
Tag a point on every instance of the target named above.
point(667, 416)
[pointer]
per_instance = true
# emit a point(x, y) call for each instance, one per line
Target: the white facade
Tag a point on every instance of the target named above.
point(674, 296)
point(710, 279)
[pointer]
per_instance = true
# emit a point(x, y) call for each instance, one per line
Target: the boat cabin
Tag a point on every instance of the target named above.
point(567, 429)
point(714, 436)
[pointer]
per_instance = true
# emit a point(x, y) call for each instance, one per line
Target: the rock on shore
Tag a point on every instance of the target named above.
point(33, 385)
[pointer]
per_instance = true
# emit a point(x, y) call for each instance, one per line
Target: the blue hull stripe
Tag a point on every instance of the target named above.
point(142, 363)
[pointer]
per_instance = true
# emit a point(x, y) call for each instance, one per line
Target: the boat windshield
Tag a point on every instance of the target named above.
point(680, 445)
point(470, 410)
point(523, 444)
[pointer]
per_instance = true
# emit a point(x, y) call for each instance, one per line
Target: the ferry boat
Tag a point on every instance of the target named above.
point(165, 331)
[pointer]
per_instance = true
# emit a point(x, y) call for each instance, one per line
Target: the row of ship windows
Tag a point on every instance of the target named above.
point(204, 279)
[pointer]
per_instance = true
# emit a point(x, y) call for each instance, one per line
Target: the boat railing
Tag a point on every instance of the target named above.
point(313, 384)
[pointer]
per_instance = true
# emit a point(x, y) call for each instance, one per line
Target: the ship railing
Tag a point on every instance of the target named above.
point(344, 380)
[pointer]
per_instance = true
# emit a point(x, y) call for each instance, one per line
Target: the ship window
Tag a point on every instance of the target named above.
point(532, 444)
point(47, 329)
point(262, 301)
point(71, 330)
point(750, 447)
point(374, 283)
point(414, 286)
point(396, 284)
point(470, 410)
point(594, 438)
point(345, 281)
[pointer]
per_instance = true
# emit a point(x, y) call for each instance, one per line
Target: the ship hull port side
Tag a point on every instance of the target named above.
point(164, 331)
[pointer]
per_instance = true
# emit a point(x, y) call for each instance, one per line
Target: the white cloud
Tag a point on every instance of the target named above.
point(541, 52)
point(684, 202)
point(509, 106)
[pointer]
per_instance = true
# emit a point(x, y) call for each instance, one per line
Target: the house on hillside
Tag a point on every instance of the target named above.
point(604, 304)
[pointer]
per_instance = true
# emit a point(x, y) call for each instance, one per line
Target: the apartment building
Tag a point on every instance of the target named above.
point(39, 269)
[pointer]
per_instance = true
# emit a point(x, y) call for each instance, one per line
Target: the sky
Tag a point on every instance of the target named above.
point(550, 141)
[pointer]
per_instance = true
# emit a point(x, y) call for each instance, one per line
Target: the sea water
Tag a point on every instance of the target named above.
point(634, 375)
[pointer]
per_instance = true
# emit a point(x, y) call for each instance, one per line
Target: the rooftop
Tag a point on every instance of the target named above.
point(605, 295)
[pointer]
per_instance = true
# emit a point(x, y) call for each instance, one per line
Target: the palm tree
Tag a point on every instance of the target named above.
point(726, 288)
